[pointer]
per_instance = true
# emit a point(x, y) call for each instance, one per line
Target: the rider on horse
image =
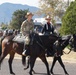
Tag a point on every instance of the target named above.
point(26, 28)
point(47, 30)
point(48, 27)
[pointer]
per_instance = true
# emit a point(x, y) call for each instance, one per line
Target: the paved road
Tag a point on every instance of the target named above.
point(39, 68)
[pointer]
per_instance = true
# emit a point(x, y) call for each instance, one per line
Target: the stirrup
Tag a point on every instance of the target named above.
point(23, 53)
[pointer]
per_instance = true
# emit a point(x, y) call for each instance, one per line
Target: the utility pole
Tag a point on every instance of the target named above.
point(68, 2)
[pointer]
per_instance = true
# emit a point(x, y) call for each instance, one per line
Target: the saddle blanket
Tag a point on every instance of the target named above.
point(19, 39)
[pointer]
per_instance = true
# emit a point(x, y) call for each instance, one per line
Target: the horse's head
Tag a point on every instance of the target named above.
point(64, 40)
point(61, 43)
point(72, 42)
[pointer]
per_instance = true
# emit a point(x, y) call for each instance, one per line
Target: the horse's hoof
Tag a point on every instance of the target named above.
point(30, 73)
point(12, 73)
point(34, 72)
point(25, 68)
point(52, 74)
point(67, 74)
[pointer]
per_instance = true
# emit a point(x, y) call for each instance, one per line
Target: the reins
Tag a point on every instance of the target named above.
point(41, 45)
point(66, 53)
point(69, 51)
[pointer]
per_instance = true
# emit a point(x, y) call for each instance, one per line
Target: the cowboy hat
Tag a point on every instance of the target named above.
point(29, 13)
point(47, 17)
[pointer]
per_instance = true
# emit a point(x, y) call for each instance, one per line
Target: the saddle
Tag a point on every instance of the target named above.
point(21, 39)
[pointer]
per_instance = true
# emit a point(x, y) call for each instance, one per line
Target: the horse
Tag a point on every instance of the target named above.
point(6, 47)
point(64, 41)
point(37, 49)
point(59, 46)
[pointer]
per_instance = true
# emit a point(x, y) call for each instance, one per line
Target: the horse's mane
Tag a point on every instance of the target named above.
point(46, 40)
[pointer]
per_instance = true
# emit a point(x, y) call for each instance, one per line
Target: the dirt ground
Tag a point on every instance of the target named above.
point(71, 57)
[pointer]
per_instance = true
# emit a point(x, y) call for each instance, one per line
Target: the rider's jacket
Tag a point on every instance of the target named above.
point(27, 27)
point(48, 29)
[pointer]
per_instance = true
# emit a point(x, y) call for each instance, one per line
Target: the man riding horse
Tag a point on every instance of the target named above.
point(47, 30)
point(48, 27)
point(26, 28)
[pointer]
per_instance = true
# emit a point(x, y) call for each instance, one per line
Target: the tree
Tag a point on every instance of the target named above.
point(52, 7)
point(3, 26)
point(69, 20)
point(17, 19)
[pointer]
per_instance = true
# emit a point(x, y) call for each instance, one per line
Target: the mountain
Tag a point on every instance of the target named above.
point(7, 9)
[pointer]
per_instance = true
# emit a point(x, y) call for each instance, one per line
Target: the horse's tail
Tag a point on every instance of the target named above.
point(24, 60)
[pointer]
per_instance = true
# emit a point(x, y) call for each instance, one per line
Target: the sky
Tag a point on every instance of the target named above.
point(28, 2)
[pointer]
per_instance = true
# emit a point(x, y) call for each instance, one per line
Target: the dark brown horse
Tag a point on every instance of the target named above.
point(63, 42)
point(59, 46)
point(37, 49)
point(9, 48)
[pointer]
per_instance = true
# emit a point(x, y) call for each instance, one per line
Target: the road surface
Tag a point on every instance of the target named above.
point(39, 67)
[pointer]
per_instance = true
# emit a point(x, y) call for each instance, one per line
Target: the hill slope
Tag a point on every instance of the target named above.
point(7, 9)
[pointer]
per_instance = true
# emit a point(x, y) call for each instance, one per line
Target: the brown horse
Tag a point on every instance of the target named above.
point(37, 49)
point(9, 48)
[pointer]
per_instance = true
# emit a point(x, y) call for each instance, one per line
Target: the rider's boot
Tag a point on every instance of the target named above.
point(24, 50)
point(24, 53)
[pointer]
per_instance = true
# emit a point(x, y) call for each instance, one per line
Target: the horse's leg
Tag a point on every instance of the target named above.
point(61, 63)
point(32, 62)
point(53, 63)
point(43, 58)
point(10, 62)
point(28, 62)
point(3, 55)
